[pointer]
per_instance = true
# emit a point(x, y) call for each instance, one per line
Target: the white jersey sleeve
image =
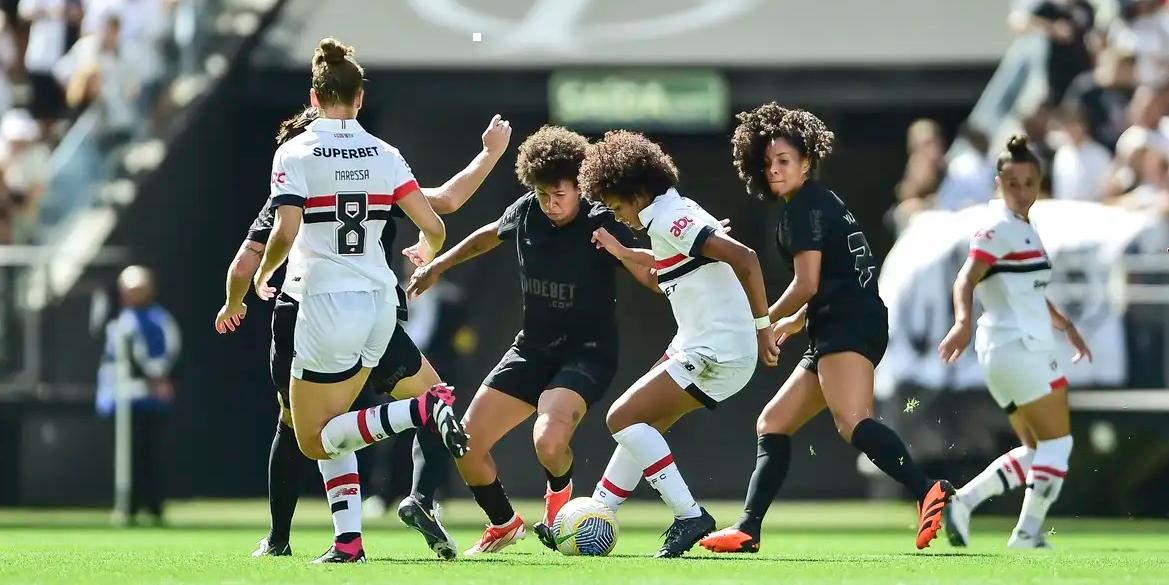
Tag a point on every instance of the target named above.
point(683, 229)
point(402, 179)
point(988, 245)
point(288, 182)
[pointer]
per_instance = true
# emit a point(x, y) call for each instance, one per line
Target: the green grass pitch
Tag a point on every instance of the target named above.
point(209, 542)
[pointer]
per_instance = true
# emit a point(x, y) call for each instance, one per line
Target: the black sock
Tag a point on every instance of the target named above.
point(415, 416)
point(772, 459)
point(493, 500)
point(430, 466)
point(347, 537)
point(558, 483)
point(884, 448)
point(285, 465)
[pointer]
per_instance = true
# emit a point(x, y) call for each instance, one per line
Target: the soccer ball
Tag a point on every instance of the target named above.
point(585, 526)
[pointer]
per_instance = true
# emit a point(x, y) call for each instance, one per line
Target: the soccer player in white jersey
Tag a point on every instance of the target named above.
point(715, 288)
point(1017, 349)
point(341, 182)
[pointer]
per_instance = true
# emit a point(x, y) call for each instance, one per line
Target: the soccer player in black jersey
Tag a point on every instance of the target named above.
point(403, 372)
point(566, 354)
point(834, 292)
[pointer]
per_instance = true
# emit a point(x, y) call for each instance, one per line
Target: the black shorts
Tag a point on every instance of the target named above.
point(862, 331)
point(401, 360)
point(525, 373)
point(48, 98)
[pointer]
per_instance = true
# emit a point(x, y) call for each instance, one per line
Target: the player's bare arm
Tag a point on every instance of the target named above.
point(745, 262)
point(479, 242)
point(453, 194)
point(958, 338)
point(288, 220)
point(1065, 325)
point(638, 261)
point(804, 285)
point(239, 278)
point(431, 229)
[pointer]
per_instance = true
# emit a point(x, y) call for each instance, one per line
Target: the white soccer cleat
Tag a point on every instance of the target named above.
point(1021, 539)
point(957, 522)
point(497, 538)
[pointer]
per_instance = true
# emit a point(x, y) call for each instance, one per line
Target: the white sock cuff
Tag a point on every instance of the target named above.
point(400, 416)
point(1023, 454)
point(631, 432)
point(1051, 457)
point(332, 468)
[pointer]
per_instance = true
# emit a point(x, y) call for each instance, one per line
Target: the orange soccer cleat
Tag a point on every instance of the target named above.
point(929, 512)
point(730, 540)
point(554, 501)
point(496, 538)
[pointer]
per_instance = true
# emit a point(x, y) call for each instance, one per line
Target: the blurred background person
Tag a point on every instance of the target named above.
point(1081, 166)
point(142, 345)
point(1071, 39)
point(108, 71)
point(25, 164)
point(970, 172)
point(1104, 93)
point(925, 168)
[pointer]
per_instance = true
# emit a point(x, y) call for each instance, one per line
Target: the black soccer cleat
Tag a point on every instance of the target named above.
point(436, 414)
point(333, 555)
point(416, 516)
point(267, 548)
point(544, 533)
point(684, 533)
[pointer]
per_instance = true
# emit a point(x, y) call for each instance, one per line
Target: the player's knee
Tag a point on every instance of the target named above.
point(551, 444)
point(845, 423)
point(310, 445)
point(617, 418)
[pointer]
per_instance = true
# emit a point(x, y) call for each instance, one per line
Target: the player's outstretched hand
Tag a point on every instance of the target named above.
point(955, 342)
point(263, 289)
point(1081, 346)
point(768, 349)
point(496, 136)
point(229, 317)
point(725, 226)
point(424, 277)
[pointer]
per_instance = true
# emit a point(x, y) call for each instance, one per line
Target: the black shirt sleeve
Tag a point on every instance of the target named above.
point(513, 216)
point(806, 225)
point(261, 228)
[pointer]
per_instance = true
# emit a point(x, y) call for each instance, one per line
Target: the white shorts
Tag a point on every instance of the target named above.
point(1017, 376)
point(708, 381)
point(338, 333)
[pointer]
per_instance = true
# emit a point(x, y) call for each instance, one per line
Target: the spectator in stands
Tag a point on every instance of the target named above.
point(8, 64)
point(1069, 28)
point(924, 169)
point(970, 173)
point(1143, 29)
point(107, 71)
point(46, 44)
point(1037, 128)
point(141, 348)
point(1082, 165)
point(1152, 182)
point(1103, 95)
point(24, 162)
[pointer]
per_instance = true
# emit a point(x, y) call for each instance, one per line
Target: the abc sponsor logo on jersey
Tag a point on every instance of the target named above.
point(680, 226)
point(279, 177)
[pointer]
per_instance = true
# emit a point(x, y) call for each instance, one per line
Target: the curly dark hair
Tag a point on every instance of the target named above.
point(625, 164)
point(294, 126)
point(550, 155)
point(757, 128)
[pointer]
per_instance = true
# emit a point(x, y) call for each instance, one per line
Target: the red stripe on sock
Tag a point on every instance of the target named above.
point(1018, 469)
point(612, 487)
point(363, 426)
point(340, 480)
point(660, 465)
point(1049, 470)
point(1059, 383)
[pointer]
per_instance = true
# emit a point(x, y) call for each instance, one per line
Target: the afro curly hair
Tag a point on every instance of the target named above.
point(626, 164)
point(550, 155)
point(757, 128)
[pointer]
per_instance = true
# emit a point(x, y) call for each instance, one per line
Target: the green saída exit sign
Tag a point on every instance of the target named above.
point(669, 101)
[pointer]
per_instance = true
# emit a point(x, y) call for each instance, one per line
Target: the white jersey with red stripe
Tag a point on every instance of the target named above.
point(1014, 291)
point(347, 180)
point(709, 304)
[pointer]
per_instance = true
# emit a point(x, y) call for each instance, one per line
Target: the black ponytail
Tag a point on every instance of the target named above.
point(1018, 150)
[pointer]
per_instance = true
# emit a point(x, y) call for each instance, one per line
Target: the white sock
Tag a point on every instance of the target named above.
point(620, 479)
point(649, 448)
point(343, 489)
point(1044, 482)
point(356, 429)
point(1007, 472)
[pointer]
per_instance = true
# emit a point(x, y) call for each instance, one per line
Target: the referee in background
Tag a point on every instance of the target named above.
point(134, 385)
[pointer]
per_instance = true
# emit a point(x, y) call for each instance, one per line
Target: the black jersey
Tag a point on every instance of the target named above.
point(569, 286)
point(816, 219)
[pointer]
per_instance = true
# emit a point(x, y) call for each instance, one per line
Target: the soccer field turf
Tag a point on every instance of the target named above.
point(209, 542)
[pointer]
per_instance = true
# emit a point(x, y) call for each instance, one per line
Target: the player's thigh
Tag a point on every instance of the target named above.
point(653, 399)
point(491, 415)
point(1048, 417)
point(315, 403)
point(1022, 429)
point(846, 380)
point(796, 402)
point(558, 413)
point(424, 378)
